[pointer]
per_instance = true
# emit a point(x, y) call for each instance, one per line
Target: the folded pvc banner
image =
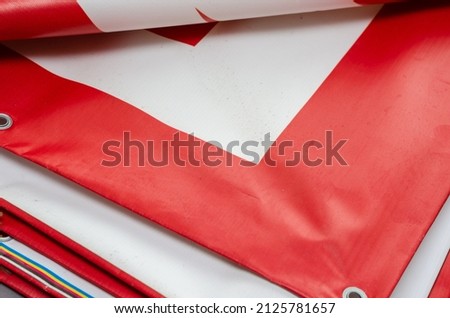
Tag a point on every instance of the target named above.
point(26, 244)
point(265, 141)
point(31, 18)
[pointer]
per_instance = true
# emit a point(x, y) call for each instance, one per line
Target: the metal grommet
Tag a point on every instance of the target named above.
point(4, 237)
point(354, 292)
point(5, 121)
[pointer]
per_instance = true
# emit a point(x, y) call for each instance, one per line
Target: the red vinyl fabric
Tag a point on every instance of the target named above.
point(313, 230)
point(40, 18)
point(57, 247)
point(441, 288)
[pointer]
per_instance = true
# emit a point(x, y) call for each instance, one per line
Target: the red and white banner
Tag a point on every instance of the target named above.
point(372, 126)
point(43, 18)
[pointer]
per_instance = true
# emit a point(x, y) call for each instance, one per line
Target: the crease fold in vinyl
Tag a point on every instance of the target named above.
point(334, 78)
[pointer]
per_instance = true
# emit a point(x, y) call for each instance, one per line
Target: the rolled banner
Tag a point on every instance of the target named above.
point(30, 18)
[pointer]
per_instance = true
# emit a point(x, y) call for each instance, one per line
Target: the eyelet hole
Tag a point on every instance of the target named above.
point(5, 122)
point(354, 292)
point(4, 237)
